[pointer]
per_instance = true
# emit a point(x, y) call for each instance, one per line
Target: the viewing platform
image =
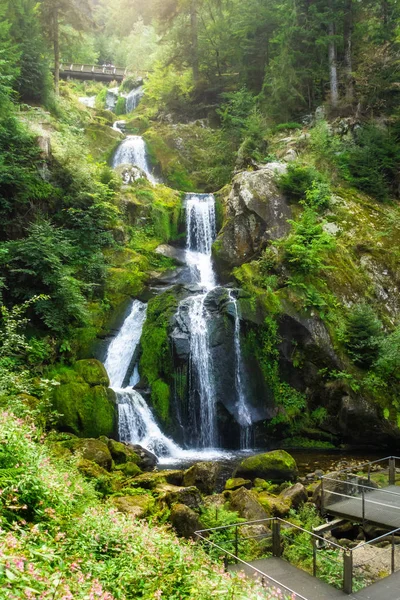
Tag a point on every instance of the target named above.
point(93, 72)
point(372, 494)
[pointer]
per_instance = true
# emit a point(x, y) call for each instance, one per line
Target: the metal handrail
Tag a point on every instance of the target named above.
point(372, 462)
point(268, 577)
point(360, 485)
point(362, 499)
point(385, 535)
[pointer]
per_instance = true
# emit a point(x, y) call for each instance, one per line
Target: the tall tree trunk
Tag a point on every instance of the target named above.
point(56, 45)
point(195, 40)
point(348, 50)
point(333, 76)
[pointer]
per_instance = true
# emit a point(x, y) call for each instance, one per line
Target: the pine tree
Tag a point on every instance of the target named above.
point(362, 335)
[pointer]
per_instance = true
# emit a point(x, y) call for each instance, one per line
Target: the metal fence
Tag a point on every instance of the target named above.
point(369, 494)
point(243, 543)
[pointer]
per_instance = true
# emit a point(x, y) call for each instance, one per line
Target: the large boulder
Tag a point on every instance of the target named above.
point(256, 212)
point(189, 496)
point(295, 496)
point(185, 521)
point(92, 450)
point(247, 505)
point(136, 506)
point(275, 466)
point(85, 404)
point(203, 475)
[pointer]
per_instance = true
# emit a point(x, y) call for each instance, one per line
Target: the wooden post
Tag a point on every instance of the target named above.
point(276, 539)
point(348, 572)
point(392, 471)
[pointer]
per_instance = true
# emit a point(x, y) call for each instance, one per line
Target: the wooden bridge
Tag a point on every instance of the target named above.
point(93, 72)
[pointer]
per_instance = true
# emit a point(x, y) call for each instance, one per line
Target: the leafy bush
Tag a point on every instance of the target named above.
point(298, 179)
point(318, 196)
point(372, 163)
point(285, 126)
point(307, 244)
point(120, 107)
point(362, 335)
point(388, 363)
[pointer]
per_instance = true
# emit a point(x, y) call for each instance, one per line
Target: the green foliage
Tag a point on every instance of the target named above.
point(120, 107)
point(318, 196)
point(388, 363)
point(298, 180)
point(372, 163)
point(362, 335)
point(307, 244)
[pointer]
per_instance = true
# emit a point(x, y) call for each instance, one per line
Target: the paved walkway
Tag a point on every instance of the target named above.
point(313, 589)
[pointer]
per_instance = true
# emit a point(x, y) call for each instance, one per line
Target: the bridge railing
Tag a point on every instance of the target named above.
point(371, 489)
point(96, 69)
point(339, 566)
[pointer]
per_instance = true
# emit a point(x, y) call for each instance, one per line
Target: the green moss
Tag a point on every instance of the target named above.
point(302, 442)
point(277, 465)
point(102, 141)
point(156, 360)
point(85, 410)
point(92, 372)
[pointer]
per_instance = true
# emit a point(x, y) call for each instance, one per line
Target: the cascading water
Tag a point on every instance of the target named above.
point(133, 99)
point(200, 236)
point(89, 101)
point(132, 151)
point(244, 416)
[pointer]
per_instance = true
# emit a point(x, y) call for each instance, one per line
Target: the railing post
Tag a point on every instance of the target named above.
point(322, 497)
point(369, 473)
point(392, 471)
point(363, 504)
point(236, 543)
point(348, 572)
point(276, 539)
point(314, 550)
point(393, 555)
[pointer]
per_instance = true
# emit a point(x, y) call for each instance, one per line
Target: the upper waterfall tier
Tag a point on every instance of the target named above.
point(132, 151)
point(200, 236)
point(133, 99)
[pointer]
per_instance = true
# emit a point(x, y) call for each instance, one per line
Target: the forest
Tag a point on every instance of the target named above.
point(199, 286)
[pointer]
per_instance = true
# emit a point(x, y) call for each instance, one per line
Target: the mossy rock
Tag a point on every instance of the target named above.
point(261, 484)
point(295, 495)
point(189, 496)
point(129, 469)
point(274, 506)
point(91, 470)
point(237, 482)
point(204, 476)
point(138, 506)
point(185, 521)
point(92, 372)
point(247, 505)
point(276, 466)
point(122, 453)
point(93, 450)
point(84, 410)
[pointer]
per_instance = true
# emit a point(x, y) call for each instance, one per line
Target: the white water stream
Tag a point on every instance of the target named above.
point(132, 151)
point(133, 99)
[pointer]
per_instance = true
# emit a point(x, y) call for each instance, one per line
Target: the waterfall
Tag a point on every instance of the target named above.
point(202, 389)
point(136, 424)
point(89, 101)
point(244, 417)
point(133, 99)
point(200, 235)
point(132, 151)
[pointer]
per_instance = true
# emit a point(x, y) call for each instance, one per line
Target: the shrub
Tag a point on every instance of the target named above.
point(298, 179)
point(362, 335)
point(318, 196)
point(388, 363)
point(307, 244)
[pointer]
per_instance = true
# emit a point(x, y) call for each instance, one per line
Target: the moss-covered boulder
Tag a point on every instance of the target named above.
point(129, 469)
point(203, 475)
point(94, 451)
point(91, 470)
point(135, 506)
point(92, 372)
point(83, 400)
point(275, 466)
point(237, 482)
point(273, 505)
point(185, 520)
point(122, 453)
point(295, 496)
point(189, 496)
point(247, 505)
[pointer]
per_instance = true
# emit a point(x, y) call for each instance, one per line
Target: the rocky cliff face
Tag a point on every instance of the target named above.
point(256, 212)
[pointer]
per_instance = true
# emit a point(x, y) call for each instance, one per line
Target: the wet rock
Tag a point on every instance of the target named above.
point(177, 254)
point(295, 496)
point(185, 521)
point(147, 460)
point(247, 505)
point(135, 506)
point(276, 466)
point(256, 212)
